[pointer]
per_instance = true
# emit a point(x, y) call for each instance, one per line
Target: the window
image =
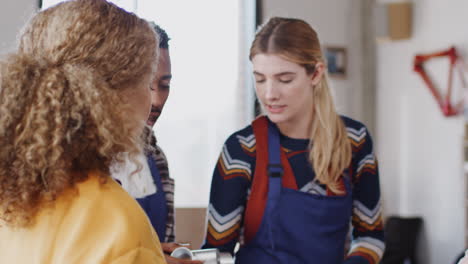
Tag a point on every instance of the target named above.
point(201, 110)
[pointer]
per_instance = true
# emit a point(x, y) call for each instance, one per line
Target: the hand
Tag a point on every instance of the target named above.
point(169, 247)
point(171, 260)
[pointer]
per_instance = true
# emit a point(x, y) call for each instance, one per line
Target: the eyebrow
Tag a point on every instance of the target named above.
point(166, 77)
point(276, 75)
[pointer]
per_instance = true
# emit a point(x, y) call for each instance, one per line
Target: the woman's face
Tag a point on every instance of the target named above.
point(284, 89)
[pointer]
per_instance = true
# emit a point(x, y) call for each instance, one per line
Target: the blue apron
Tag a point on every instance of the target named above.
point(297, 227)
point(155, 204)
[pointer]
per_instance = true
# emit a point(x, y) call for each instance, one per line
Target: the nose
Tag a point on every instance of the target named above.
point(271, 91)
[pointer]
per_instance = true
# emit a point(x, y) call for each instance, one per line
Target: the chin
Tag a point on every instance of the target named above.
point(151, 122)
point(275, 118)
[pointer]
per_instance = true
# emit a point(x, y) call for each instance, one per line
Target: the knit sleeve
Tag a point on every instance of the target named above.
point(367, 243)
point(229, 188)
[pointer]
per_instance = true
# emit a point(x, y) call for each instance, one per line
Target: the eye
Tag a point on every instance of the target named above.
point(285, 80)
point(259, 80)
point(164, 87)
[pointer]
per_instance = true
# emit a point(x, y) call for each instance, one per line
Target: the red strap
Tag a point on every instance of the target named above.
point(259, 191)
point(444, 101)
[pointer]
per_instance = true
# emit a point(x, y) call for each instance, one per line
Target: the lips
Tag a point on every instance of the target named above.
point(153, 116)
point(276, 109)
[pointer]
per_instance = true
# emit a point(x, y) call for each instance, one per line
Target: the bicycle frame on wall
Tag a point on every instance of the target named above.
point(443, 100)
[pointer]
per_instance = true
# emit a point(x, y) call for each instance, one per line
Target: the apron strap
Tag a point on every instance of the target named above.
point(275, 173)
point(275, 169)
point(256, 204)
point(157, 202)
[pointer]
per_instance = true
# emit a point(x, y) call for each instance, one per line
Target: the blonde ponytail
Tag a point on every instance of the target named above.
point(330, 151)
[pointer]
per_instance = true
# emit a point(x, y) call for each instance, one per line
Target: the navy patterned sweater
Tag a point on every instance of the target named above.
point(232, 179)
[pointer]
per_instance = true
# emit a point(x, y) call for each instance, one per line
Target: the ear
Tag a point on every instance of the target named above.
point(318, 74)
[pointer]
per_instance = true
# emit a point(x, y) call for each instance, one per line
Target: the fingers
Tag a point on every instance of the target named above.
point(169, 247)
point(185, 244)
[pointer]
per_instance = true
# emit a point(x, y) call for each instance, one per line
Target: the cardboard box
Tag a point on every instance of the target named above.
point(393, 21)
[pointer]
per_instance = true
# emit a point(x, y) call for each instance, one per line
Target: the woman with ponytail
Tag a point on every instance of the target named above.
point(289, 186)
point(70, 96)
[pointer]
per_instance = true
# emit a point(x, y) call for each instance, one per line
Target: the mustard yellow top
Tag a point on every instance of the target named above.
point(100, 224)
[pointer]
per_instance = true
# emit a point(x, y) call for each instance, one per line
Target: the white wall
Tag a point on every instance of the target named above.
point(337, 23)
point(420, 150)
point(13, 15)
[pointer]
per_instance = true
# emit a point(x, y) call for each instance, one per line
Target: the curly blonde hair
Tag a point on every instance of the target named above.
point(296, 41)
point(62, 113)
